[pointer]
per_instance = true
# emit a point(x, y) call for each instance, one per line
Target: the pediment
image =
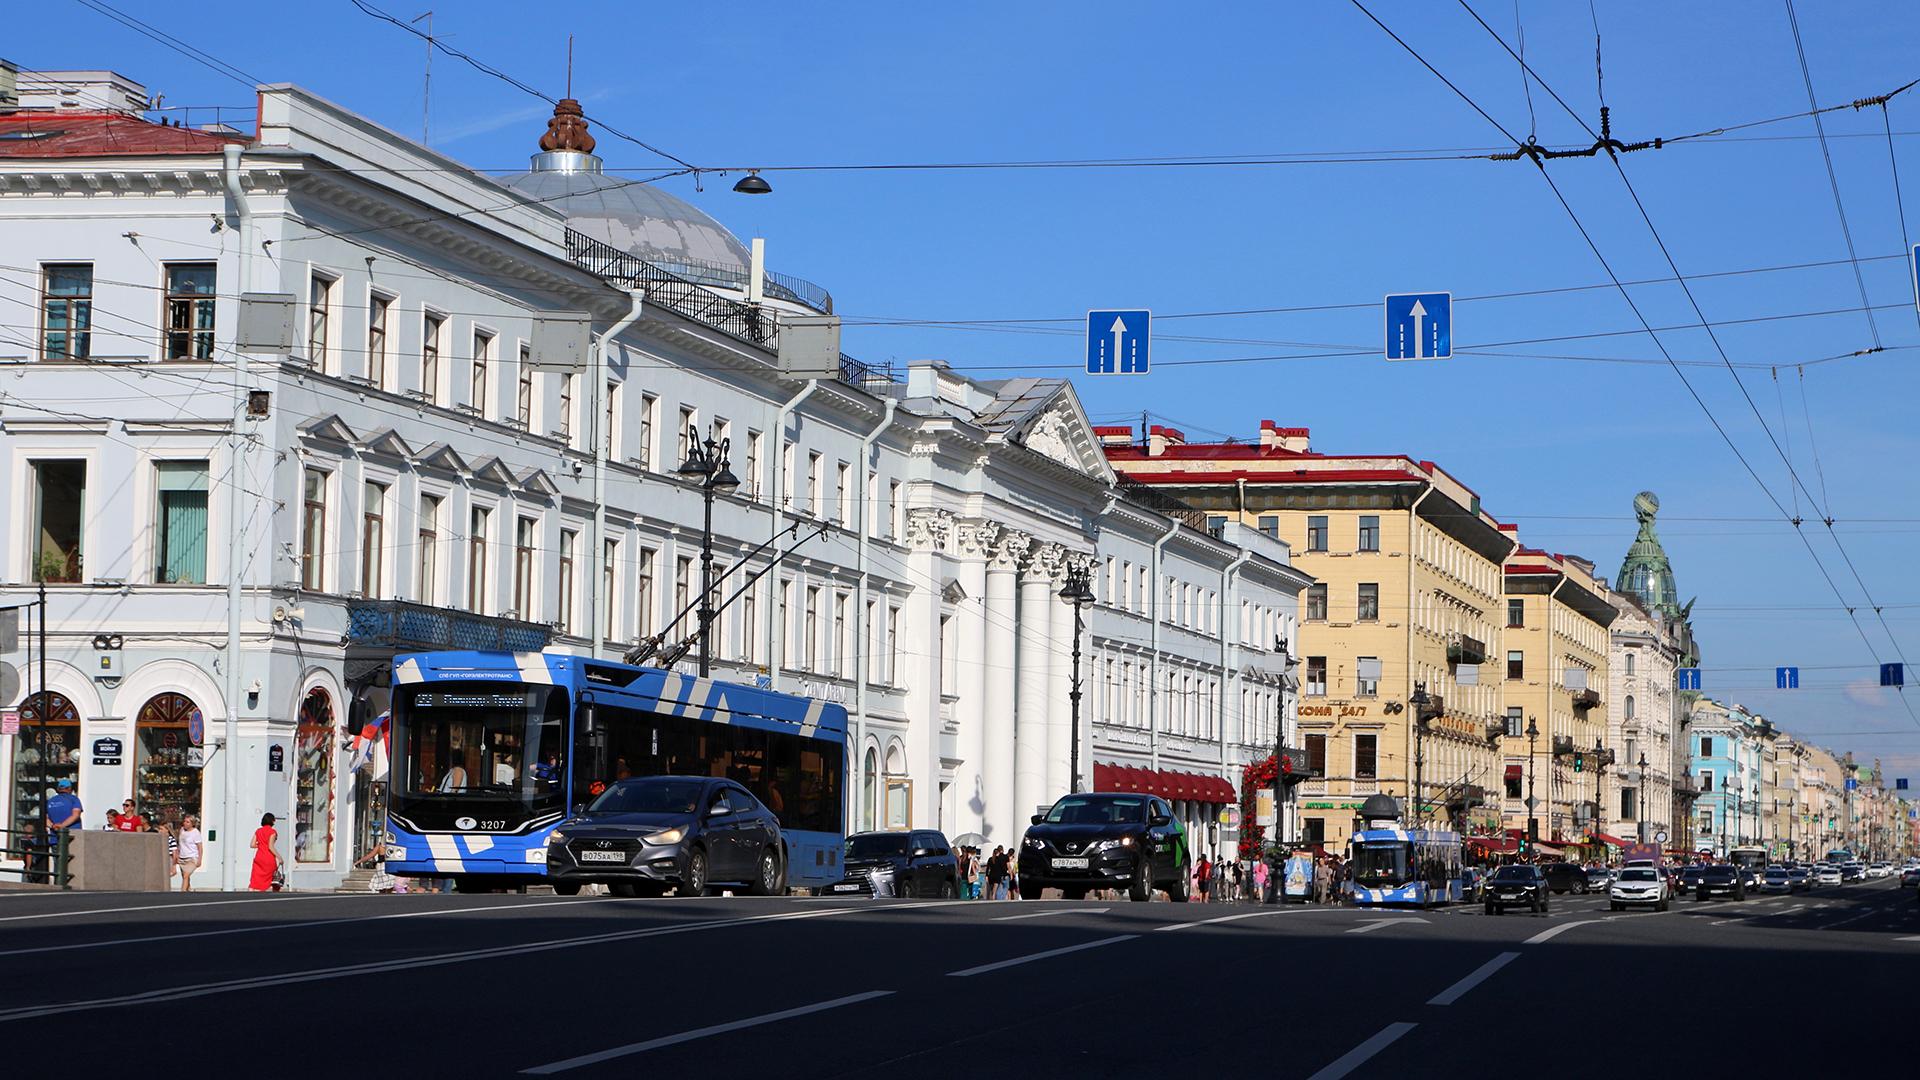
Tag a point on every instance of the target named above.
point(386, 443)
point(1059, 431)
point(328, 429)
point(493, 471)
point(537, 482)
point(443, 458)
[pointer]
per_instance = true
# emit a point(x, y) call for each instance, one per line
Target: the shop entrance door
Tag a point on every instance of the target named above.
point(167, 758)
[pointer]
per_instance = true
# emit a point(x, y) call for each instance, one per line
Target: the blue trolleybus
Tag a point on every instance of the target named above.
point(491, 750)
point(1418, 867)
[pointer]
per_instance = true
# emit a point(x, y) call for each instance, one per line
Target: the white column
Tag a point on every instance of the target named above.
point(977, 539)
point(1030, 769)
point(998, 700)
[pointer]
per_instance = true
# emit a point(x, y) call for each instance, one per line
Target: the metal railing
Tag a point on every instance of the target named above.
point(40, 863)
point(778, 286)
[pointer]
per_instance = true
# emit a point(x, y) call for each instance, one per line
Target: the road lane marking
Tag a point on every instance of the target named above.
point(1480, 974)
point(347, 971)
point(177, 906)
point(1381, 924)
point(1358, 1056)
point(700, 1033)
point(1047, 955)
point(1552, 932)
point(356, 919)
point(1249, 915)
point(1047, 914)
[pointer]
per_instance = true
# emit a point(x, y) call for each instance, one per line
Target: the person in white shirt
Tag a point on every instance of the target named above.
point(188, 857)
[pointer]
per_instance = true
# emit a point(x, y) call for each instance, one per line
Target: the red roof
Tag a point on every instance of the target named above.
point(101, 134)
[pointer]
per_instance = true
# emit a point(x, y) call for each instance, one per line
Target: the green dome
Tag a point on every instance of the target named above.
point(1646, 574)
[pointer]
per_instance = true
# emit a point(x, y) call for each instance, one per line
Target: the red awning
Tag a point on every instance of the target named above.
point(1493, 845)
point(1140, 780)
point(1614, 840)
point(1515, 772)
point(1228, 796)
point(1150, 782)
point(1103, 777)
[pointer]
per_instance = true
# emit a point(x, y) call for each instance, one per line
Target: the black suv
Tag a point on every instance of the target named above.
point(1566, 877)
point(1721, 880)
point(918, 863)
point(1105, 841)
point(1515, 885)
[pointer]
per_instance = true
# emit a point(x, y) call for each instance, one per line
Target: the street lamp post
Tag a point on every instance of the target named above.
point(707, 466)
point(1077, 591)
point(1275, 883)
point(1640, 804)
point(1419, 701)
point(1533, 819)
point(1600, 790)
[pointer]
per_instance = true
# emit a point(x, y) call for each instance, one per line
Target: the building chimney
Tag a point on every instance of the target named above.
point(1113, 434)
point(1159, 438)
point(1292, 440)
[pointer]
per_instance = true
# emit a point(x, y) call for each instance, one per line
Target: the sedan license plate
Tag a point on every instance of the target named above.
point(852, 886)
point(603, 856)
point(1069, 864)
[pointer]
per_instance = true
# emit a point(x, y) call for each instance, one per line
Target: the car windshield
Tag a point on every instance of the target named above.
point(1513, 873)
point(1082, 810)
point(650, 795)
point(876, 845)
point(1718, 873)
point(1637, 874)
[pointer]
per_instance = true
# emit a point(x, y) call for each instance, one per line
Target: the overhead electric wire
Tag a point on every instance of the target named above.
point(197, 55)
point(1607, 267)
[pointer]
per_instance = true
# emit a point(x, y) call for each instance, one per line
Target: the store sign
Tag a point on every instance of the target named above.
point(1460, 725)
point(1334, 711)
point(1333, 806)
point(276, 758)
point(196, 757)
point(107, 751)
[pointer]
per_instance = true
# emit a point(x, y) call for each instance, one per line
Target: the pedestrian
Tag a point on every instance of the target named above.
point(113, 820)
point(1260, 878)
point(187, 858)
point(266, 857)
point(165, 829)
point(1233, 886)
point(1203, 878)
point(33, 841)
point(997, 874)
point(974, 873)
point(63, 814)
point(130, 819)
point(1322, 880)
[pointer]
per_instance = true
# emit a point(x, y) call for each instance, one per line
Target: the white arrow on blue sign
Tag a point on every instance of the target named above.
point(1689, 678)
point(1118, 342)
point(1420, 326)
point(1786, 678)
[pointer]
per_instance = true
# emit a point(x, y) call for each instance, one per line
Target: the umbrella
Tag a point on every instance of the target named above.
point(972, 840)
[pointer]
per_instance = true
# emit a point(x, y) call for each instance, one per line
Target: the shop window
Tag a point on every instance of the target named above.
point(313, 753)
point(45, 752)
point(60, 499)
point(1313, 831)
point(167, 757)
point(180, 528)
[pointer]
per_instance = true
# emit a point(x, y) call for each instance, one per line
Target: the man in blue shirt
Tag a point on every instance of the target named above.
point(63, 813)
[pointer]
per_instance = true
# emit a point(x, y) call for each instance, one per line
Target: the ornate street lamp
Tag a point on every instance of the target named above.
point(1419, 700)
point(1640, 804)
point(1533, 819)
point(1078, 591)
point(707, 466)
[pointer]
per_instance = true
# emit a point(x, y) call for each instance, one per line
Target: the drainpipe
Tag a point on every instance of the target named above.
point(1153, 669)
point(863, 528)
point(1227, 644)
point(601, 441)
point(1413, 521)
point(236, 530)
point(776, 628)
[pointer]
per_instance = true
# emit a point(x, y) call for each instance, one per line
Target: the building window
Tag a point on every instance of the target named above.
point(1369, 602)
point(378, 309)
point(523, 537)
point(842, 647)
point(569, 543)
point(428, 541)
point(190, 300)
point(66, 311)
point(816, 482)
point(810, 630)
point(610, 587)
point(373, 539)
point(610, 423)
point(751, 480)
point(523, 389)
point(477, 561)
point(1516, 717)
point(1633, 756)
point(567, 384)
point(1363, 686)
point(1516, 613)
point(1366, 753)
point(477, 383)
point(1516, 665)
point(1317, 532)
point(1629, 667)
point(895, 512)
point(685, 434)
point(649, 417)
point(893, 646)
point(319, 318)
point(1706, 750)
point(683, 588)
point(1316, 685)
point(313, 531)
point(1317, 754)
point(1629, 805)
point(180, 532)
point(843, 475)
point(431, 328)
point(749, 625)
point(643, 594)
point(1369, 533)
point(1706, 823)
point(1270, 524)
point(1628, 709)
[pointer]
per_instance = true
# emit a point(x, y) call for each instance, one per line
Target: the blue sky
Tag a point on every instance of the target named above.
point(1558, 445)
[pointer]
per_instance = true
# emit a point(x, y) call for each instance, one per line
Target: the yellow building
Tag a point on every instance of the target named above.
point(1555, 664)
point(1410, 598)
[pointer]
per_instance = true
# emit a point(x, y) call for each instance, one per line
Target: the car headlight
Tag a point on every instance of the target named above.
point(666, 836)
point(556, 838)
point(1114, 845)
point(1035, 845)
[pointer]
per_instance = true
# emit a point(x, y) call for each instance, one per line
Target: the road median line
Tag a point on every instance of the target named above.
point(700, 1033)
point(1047, 955)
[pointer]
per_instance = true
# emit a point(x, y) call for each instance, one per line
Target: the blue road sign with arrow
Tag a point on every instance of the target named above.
point(1689, 678)
point(1893, 674)
point(1420, 326)
point(1786, 678)
point(1118, 342)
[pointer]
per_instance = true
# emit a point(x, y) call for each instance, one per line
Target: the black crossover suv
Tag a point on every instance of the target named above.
point(1516, 885)
point(1105, 841)
point(1721, 879)
point(641, 837)
point(917, 863)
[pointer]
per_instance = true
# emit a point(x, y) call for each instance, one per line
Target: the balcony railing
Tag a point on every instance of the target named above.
point(404, 626)
point(1563, 746)
point(1586, 699)
point(779, 286)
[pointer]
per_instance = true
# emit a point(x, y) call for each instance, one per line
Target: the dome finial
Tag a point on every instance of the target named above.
point(567, 130)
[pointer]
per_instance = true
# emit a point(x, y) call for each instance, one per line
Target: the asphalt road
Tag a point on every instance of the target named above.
point(343, 985)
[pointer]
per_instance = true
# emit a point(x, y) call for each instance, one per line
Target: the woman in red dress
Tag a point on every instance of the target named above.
point(266, 856)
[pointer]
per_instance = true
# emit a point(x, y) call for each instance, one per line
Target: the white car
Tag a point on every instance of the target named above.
point(1639, 885)
point(1828, 874)
point(1879, 870)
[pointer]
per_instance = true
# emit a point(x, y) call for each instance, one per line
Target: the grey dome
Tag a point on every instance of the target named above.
point(638, 218)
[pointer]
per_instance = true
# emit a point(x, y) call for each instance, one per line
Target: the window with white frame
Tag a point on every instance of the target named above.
point(643, 591)
point(569, 553)
point(479, 371)
point(313, 532)
point(477, 523)
point(66, 311)
point(426, 587)
point(320, 289)
point(373, 539)
point(379, 341)
point(649, 418)
point(433, 329)
point(523, 388)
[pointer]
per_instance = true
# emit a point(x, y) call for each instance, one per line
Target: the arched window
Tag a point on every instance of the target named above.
point(1629, 663)
point(168, 732)
point(869, 789)
point(313, 754)
point(50, 749)
point(1629, 707)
